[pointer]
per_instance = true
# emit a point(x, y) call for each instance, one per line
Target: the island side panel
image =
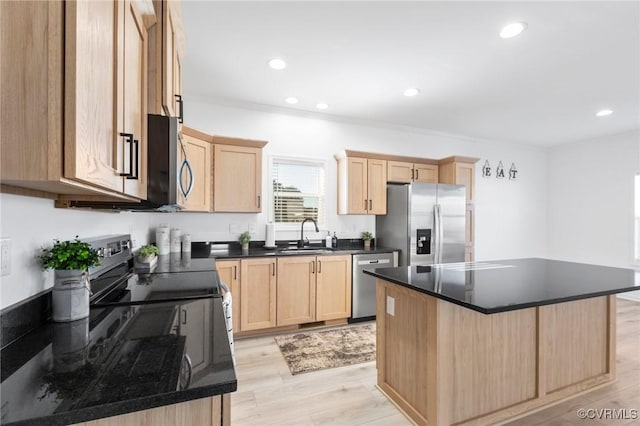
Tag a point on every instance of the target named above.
point(495, 360)
point(403, 351)
point(577, 341)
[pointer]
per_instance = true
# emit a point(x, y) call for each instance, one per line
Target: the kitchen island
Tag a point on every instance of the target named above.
point(485, 343)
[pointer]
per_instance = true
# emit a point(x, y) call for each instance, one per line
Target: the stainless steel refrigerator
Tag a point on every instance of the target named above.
point(425, 221)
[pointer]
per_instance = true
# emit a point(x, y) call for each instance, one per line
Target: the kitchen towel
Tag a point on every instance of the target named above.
point(270, 235)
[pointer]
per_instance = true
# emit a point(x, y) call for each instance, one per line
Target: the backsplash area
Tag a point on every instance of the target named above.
point(31, 223)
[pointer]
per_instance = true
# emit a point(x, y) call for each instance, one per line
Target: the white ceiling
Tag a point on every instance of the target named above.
point(540, 88)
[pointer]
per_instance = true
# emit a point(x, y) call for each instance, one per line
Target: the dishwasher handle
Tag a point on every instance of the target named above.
point(374, 262)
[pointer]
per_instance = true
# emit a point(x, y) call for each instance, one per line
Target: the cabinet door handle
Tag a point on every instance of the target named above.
point(180, 109)
point(135, 148)
point(313, 266)
point(129, 140)
point(235, 272)
point(365, 204)
point(273, 271)
point(370, 205)
point(258, 201)
point(184, 317)
point(417, 174)
point(319, 266)
point(412, 174)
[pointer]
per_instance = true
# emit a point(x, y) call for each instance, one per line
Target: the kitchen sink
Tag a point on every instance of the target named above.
point(305, 250)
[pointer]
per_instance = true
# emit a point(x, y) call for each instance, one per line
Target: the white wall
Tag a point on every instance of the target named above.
point(509, 214)
point(591, 200)
point(32, 223)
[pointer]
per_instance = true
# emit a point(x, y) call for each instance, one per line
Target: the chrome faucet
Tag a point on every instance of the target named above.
point(301, 242)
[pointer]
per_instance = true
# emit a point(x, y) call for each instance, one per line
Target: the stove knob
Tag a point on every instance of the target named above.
point(100, 252)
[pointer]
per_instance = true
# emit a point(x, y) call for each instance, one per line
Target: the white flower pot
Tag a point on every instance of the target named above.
point(70, 295)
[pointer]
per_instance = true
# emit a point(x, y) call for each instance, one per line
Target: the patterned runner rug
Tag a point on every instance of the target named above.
point(312, 351)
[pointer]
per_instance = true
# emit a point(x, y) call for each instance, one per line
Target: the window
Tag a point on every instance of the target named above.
point(298, 190)
point(637, 221)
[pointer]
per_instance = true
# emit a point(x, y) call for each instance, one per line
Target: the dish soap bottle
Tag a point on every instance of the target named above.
point(334, 241)
point(328, 241)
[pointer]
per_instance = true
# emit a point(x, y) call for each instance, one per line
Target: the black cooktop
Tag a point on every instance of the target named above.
point(143, 288)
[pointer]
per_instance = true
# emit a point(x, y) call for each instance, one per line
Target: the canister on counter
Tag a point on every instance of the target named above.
point(163, 239)
point(176, 240)
point(186, 243)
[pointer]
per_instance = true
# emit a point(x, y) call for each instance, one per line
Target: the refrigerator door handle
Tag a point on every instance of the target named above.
point(437, 212)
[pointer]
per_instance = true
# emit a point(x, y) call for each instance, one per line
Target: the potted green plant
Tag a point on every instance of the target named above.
point(367, 237)
point(244, 239)
point(70, 261)
point(147, 253)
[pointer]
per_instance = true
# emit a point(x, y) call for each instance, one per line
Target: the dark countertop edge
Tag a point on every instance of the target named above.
point(499, 309)
point(237, 254)
point(129, 406)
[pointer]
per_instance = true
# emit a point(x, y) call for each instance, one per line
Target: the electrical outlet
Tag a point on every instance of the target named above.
point(5, 256)
point(391, 306)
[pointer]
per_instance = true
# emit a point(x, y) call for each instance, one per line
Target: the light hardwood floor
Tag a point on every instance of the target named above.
point(269, 395)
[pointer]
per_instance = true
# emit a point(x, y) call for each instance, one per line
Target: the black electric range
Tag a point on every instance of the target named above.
point(117, 283)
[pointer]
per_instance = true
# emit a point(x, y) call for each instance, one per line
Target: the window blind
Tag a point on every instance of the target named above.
point(298, 191)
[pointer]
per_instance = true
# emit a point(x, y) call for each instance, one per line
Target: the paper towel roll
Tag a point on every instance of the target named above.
point(270, 235)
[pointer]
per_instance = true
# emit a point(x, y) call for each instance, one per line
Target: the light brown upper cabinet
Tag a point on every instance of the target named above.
point(200, 155)
point(167, 47)
point(172, 59)
point(362, 185)
point(74, 110)
point(460, 171)
point(403, 172)
point(237, 175)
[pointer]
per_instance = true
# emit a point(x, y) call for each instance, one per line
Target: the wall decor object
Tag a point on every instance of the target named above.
point(513, 172)
point(500, 171)
point(486, 169)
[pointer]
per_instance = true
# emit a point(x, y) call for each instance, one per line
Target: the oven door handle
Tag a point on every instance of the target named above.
point(186, 362)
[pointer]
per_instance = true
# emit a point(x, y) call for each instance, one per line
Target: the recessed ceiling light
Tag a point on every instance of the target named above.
point(411, 92)
point(277, 64)
point(513, 29)
point(291, 100)
point(322, 105)
point(604, 113)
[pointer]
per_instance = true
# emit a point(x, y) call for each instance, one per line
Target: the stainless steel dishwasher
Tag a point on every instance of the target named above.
point(363, 287)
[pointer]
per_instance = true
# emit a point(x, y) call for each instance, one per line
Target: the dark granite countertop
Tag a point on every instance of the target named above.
point(505, 285)
point(121, 359)
point(256, 249)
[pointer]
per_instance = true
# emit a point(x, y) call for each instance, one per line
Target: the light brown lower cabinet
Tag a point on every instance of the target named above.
point(296, 290)
point(214, 410)
point(229, 273)
point(313, 288)
point(258, 290)
point(333, 287)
